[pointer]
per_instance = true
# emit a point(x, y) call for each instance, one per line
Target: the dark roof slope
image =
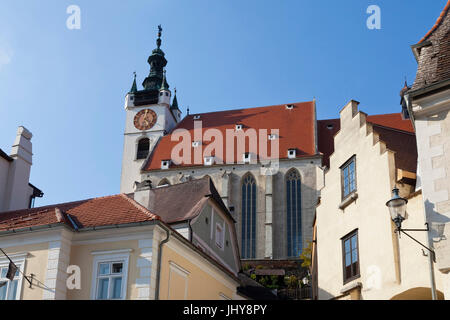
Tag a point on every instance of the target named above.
point(397, 133)
point(433, 53)
point(183, 201)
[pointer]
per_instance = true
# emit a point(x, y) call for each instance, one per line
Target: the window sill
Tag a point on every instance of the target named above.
point(351, 286)
point(347, 201)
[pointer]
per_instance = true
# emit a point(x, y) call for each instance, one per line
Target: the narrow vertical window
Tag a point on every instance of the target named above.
point(248, 224)
point(350, 256)
point(143, 148)
point(293, 213)
point(348, 177)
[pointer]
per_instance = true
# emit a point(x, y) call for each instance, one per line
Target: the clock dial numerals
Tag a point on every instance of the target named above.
point(145, 119)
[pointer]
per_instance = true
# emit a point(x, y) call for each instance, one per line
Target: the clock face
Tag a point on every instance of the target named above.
point(145, 119)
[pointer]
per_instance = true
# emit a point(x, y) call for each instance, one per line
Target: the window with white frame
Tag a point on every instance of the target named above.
point(8, 288)
point(110, 272)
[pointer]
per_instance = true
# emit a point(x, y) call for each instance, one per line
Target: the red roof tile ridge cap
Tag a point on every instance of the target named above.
point(250, 108)
point(438, 22)
point(140, 207)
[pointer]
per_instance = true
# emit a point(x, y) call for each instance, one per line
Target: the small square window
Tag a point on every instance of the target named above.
point(209, 161)
point(246, 157)
point(238, 127)
point(195, 144)
point(292, 153)
point(165, 164)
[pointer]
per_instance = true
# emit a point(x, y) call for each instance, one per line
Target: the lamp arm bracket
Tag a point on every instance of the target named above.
point(429, 249)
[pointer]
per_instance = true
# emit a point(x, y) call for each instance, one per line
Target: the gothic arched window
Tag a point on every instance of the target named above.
point(248, 224)
point(143, 148)
point(293, 213)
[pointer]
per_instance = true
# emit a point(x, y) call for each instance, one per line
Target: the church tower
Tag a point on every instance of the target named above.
point(149, 116)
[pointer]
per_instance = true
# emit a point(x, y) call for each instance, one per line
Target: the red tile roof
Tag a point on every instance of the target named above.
point(397, 133)
point(112, 210)
point(438, 22)
point(296, 131)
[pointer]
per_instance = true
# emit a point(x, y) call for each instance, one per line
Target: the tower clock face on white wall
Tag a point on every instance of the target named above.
point(145, 119)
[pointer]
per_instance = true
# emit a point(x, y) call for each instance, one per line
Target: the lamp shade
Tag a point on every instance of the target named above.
point(397, 206)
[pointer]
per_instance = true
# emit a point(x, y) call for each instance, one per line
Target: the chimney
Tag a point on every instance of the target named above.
point(144, 194)
point(19, 192)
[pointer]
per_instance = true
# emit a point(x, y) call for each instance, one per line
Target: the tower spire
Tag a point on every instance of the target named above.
point(158, 41)
point(175, 101)
point(134, 86)
point(157, 62)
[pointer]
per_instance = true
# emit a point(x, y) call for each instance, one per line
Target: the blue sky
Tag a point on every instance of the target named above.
point(68, 86)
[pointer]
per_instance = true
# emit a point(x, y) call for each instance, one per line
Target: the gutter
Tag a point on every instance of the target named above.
point(158, 267)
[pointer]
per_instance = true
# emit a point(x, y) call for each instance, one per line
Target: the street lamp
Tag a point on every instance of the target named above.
point(397, 210)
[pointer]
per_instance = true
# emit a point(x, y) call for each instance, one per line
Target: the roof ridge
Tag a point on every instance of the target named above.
point(438, 22)
point(240, 109)
point(140, 207)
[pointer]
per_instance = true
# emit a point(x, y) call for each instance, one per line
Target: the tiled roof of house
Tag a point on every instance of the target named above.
point(111, 210)
point(184, 201)
point(398, 134)
point(296, 131)
point(433, 53)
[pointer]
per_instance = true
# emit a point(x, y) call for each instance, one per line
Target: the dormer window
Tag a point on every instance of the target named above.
point(165, 164)
point(246, 158)
point(196, 117)
point(292, 153)
point(238, 127)
point(209, 161)
point(289, 106)
point(272, 136)
point(330, 126)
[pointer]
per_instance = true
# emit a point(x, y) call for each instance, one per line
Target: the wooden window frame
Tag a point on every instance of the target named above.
point(349, 236)
point(345, 165)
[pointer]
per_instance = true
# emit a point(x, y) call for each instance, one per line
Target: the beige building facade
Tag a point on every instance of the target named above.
point(106, 248)
point(358, 254)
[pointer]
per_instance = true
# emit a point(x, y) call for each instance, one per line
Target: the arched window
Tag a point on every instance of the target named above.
point(143, 148)
point(248, 217)
point(164, 182)
point(293, 213)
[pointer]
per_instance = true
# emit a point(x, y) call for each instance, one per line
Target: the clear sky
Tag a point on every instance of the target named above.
point(68, 86)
